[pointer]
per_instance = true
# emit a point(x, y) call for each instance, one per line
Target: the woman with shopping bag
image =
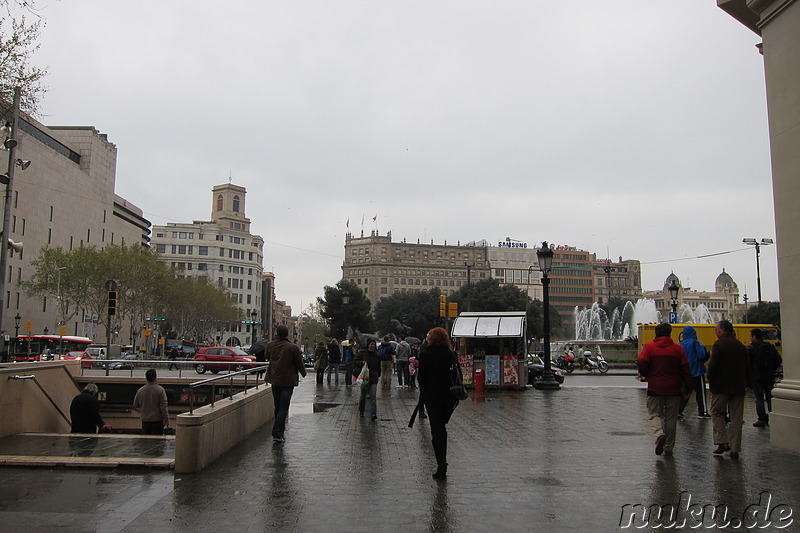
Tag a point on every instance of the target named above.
point(369, 356)
point(433, 375)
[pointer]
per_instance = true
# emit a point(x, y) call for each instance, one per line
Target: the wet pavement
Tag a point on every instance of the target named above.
point(567, 460)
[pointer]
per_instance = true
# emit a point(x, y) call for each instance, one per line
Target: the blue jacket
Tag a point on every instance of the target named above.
point(696, 353)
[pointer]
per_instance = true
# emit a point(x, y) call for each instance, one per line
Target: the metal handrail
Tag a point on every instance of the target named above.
point(213, 383)
point(142, 362)
point(33, 377)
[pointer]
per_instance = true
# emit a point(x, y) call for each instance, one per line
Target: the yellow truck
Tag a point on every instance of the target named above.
point(706, 335)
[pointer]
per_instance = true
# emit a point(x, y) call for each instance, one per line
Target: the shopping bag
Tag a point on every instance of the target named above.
point(363, 377)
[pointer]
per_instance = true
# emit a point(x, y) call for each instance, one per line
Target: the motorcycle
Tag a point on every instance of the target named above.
point(565, 362)
point(596, 362)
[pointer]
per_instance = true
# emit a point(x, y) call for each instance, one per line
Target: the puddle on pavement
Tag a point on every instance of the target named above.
point(320, 407)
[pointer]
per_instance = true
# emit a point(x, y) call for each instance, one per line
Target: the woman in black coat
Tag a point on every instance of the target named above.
point(435, 361)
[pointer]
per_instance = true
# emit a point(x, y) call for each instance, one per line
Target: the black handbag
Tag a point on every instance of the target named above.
point(457, 388)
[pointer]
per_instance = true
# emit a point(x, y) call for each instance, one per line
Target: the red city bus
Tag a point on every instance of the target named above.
point(26, 348)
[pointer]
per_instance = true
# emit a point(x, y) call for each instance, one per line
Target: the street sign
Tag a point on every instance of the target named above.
point(673, 317)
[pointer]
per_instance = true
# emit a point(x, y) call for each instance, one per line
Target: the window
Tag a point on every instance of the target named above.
point(161, 248)
point(219, 203)
point(236, 204)
point(202, 250)
point(202, 266)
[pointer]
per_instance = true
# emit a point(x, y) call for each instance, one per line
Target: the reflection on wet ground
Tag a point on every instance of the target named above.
point(553, 461)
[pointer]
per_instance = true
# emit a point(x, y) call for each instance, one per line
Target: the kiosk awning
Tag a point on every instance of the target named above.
point(511, 324)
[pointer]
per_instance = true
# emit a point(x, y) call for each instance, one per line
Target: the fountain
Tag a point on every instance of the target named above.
point(593, 324)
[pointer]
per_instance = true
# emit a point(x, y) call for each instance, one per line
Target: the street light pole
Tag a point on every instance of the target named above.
point(545, 256)
point(254, 314)
point(11, 144)
point(758, 245)
point(469, 265)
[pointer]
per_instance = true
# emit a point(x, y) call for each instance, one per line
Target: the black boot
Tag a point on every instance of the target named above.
point(440, 450)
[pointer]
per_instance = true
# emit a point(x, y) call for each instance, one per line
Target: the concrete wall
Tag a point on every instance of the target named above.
point(24, 408)
point(209, 432)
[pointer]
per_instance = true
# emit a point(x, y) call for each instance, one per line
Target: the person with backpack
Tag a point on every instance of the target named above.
point(387, 356)
point(697, 354)
point(764, 361)
point(334, 359)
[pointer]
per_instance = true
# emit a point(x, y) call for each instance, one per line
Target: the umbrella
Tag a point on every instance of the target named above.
point(413, 340)
point(258, 348)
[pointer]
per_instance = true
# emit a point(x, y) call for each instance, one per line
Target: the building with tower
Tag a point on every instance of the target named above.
point(224, 250)
point(698, 306)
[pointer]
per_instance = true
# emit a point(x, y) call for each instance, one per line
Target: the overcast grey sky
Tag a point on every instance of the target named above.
point(629, 128)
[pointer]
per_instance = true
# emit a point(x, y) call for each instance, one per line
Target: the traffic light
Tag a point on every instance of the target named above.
point(112, 303)
point(452, 309)
point(62, 330)
point(442, 305)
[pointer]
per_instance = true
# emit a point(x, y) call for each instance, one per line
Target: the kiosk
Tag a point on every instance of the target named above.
point(496, 343)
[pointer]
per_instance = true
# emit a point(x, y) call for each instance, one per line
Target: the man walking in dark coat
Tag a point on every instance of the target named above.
point(663, 363)
point(285, 361)
point(728, 374)
point(764, 361)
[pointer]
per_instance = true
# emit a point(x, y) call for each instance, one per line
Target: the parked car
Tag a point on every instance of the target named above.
point(125, 364)
point(536, 369)
point(216, 358)
point(80, 356)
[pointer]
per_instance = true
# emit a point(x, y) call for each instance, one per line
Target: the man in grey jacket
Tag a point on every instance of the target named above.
point(401, 356)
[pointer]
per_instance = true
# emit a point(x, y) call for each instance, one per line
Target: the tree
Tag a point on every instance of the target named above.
point(489, 295)
point(338, 317)
point(18, 42)
point(408, 313)
point(535, 318)
point(764, 313)
point(147, 289)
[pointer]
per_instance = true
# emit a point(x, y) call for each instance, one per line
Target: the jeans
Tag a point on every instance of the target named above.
point(699, 387)
point(403, 377)
point(282, 396)
point(333, 367)
point(372, 390)
point(763, 393)
point(348, 373)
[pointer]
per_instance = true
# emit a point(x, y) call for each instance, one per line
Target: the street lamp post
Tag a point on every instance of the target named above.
point(607, 269)
point(469, 265)
point(745, 307)
point(254, 314)
point(545, 257)
point(673, 294)
point(758, 245)
point(16, 325)
point(345, 302)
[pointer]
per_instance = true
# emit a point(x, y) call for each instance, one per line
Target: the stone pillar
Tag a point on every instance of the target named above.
point(777, 22)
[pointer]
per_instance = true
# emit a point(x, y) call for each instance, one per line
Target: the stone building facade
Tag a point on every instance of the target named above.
point(64, 198)
point(224, 250)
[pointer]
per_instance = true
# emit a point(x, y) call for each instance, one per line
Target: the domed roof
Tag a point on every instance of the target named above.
point(725, 281)
point(671, 277)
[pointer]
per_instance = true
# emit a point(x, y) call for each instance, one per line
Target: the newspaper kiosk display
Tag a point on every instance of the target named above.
point(495, 343)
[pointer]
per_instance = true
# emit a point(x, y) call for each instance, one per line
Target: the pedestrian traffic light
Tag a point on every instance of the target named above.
point(442, 305)
point(112, 303)
point(62, 330)
point(452, 309)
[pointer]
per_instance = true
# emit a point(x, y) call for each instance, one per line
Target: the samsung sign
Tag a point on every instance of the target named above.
point(512, 244)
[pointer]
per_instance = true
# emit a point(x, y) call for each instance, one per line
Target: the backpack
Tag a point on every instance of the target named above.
point(385, 352)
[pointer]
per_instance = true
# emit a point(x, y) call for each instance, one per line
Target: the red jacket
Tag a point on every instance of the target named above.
point(666, 367)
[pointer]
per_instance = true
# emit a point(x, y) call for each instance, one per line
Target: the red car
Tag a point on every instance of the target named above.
point(216, 358)
point(80, 356)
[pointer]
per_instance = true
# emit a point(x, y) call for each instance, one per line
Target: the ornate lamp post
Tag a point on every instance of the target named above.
point(673, 294)
point(254, 314)
point(545, 257)
point(345, 302)
point(16, 325)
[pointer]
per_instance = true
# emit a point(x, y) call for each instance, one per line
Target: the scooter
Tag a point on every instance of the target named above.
point(565, 362)
point(596, 363)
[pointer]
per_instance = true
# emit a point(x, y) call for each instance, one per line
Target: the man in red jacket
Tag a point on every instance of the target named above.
point(664, 365)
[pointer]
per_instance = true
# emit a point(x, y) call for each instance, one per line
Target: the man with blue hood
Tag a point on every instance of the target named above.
point(697, 354)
